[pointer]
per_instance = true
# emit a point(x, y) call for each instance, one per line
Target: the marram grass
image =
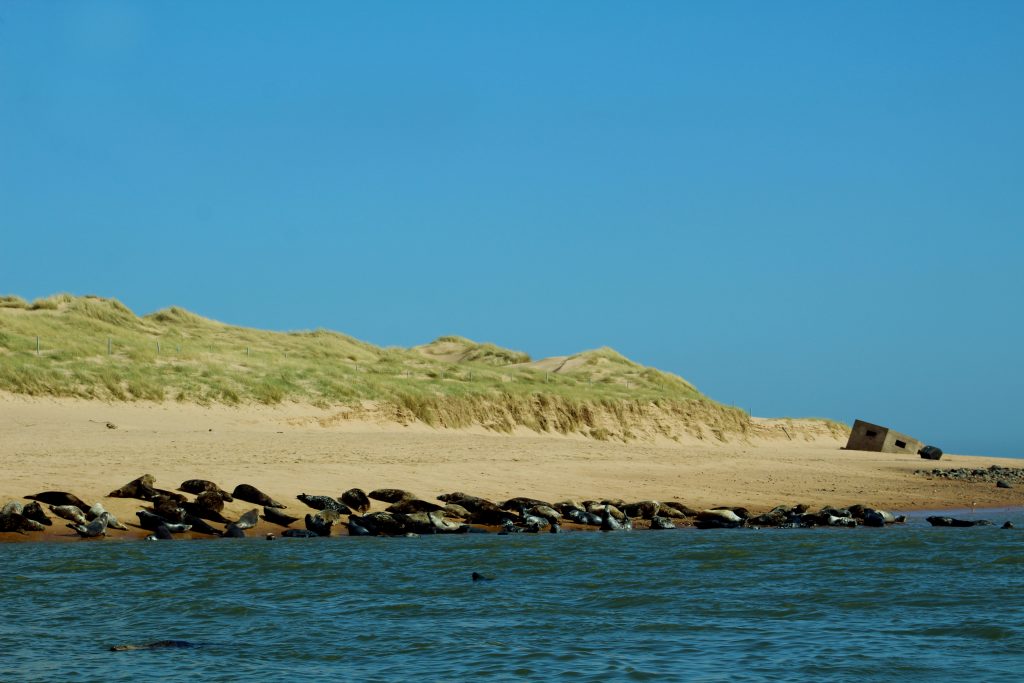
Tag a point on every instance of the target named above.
point(92, 347)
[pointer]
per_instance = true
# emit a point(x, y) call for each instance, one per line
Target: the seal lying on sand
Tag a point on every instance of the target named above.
point(158, 645)
point(97, 527)
point(60, 498)
point(198, 486)
point(34, 511)
point(324, 503)
point(143, 488)
point(356, 499)
point(69, 512)
point(251, 494)
point(15, 521)
point(274, 517)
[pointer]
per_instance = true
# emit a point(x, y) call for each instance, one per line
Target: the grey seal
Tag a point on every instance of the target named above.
point(251, 494)
point(69, 512)
point(143, 488)
point(273, 516)
point(198, 486)
point(322, 522)
point(94, 529)
point(390, 495)
point(356, 499)
point(157, 645)
point(34, 511)
point(59, 498)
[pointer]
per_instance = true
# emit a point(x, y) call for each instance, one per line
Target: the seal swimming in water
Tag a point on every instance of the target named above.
point(298, 533)
point(59, 498)
point(251, 494)
point(157, 645)
point(480, 577)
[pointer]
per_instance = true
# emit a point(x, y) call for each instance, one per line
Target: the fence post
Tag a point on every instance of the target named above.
point(158, 348)
point(247, 351)
point(110, 345)
point(37, 346)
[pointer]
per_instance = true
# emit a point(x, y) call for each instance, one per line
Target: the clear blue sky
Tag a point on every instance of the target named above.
point(805, 208)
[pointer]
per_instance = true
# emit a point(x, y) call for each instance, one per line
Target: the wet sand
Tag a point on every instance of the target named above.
point(65, 444)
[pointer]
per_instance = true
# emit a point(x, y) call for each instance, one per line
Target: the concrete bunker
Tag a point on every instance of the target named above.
point(866, 436)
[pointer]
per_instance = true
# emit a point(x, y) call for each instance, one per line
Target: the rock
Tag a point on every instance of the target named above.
point(1003, 484)
point(356, 499)
point(930, 453)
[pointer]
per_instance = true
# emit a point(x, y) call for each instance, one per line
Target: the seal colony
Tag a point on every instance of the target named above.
point(167, 514)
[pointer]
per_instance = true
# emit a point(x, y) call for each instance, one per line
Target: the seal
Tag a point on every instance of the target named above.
point(390, 495)
point(59, 498)
point(408, 506)
point(251, 494)
point(659, 522)
point(356, 499)
point(298, 533)
point(143, 488)
point(233, 531)
point(248, 520)
point(157, 645)
point(198, 486)
point(69, 512)
point(150, 521)
point(17, 522)
point(321, 522)
point(94, 529)
point(274, 517)
point(34, 511)
point(200, 526)
point(324, 503)
point(161, 533)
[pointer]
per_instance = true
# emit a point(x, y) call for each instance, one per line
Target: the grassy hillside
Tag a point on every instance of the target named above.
point(97, 348)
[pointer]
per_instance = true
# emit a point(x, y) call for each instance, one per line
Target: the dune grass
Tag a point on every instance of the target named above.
point(97, 348)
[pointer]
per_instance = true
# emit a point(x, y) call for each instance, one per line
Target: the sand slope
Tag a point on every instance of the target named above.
point(64, 444)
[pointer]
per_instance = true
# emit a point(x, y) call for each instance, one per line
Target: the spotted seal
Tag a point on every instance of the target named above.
point(143, 488)
point(324, 503)
point(356, 499)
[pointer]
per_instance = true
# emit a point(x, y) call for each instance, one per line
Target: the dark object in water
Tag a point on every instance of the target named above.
point(480, 577)
point(930, 453)
point(953, 521)
point(298, 533)
point(1007, 525)
point(158, 645)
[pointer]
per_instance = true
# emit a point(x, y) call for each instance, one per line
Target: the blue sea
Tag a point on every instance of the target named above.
point(906, 603)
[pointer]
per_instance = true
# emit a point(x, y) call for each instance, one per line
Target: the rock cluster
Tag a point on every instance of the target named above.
point(1003, 477)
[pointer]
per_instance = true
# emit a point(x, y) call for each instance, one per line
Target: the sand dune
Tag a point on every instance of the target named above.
point(65, 444)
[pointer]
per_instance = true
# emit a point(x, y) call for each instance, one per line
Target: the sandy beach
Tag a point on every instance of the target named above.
point(65, 444)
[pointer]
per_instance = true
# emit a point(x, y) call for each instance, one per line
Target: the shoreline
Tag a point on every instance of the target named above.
point(65, 444)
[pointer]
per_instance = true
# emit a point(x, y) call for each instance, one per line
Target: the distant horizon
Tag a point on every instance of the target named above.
point(803, 209)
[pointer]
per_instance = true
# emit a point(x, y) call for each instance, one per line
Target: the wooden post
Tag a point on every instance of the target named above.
point(37, 346)
point(110, 345)
point(246, 350)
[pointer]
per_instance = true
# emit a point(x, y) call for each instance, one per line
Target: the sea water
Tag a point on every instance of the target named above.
point(906, 603)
